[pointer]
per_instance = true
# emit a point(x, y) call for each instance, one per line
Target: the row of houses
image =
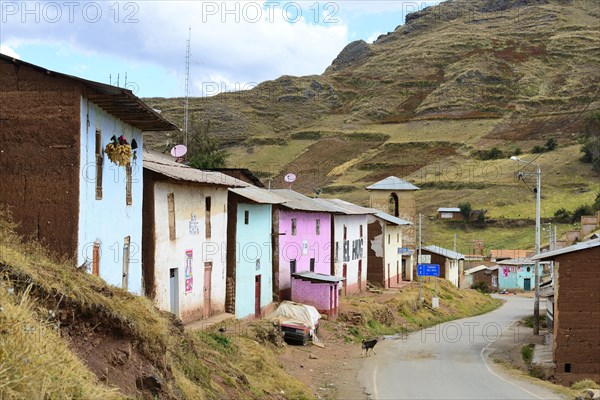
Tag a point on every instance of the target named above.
point(197, 242)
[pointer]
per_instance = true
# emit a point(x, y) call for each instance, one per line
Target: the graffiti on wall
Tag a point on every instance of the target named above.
point(357, 250)
point(189, 276)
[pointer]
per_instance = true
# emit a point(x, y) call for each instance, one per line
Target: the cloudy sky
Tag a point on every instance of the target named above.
point(234, 44)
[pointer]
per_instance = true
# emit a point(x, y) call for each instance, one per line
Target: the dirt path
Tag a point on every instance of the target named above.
point(333, 373)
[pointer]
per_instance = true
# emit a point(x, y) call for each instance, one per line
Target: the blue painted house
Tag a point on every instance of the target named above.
point(249, 251)
point(517, 273)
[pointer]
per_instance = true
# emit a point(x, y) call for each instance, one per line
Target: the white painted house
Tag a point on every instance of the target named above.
point(350, 244)
point(60, 183)
point(185, 237)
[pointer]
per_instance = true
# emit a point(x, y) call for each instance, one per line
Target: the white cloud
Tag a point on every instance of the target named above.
point(7, 50)
point(228, 41)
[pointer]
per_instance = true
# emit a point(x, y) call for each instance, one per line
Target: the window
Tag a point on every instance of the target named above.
point(207, 217)
point(389, 238)
point(246, 217)
point(128, 198)
point(397, 238)
point(293, 226)
point(292, 266)
point(312, 265)
point(258, 264)
point(318, 226)
point(568, 367)
point(361, 231)
point(99, 164)
point(393, 205)
point(171, 208)
point(345, 232)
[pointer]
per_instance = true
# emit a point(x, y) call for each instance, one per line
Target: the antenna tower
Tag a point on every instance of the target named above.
point(187, 89)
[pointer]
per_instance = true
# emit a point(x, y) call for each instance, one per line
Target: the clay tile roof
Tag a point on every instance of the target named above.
point(509, 253)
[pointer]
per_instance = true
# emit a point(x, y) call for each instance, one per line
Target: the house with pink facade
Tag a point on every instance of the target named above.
point(302, 239)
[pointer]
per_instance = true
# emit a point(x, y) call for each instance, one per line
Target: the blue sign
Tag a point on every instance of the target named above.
point(428, 270)
point(403, 250)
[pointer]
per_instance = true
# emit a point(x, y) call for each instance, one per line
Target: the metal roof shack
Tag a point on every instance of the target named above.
point(392, 183)
point(444, 252)
point(182, 172)
point(259, 195)
point(316, 277)
point(120, 102)
point(449, 209)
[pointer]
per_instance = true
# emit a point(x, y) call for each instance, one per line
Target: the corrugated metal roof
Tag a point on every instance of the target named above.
point(259, 195)
point(182, 172)
point(517, 261)
point(444, 252)
point(449, 209)
point(392, 183)
point(314, 276)
point(120, 102)
point(298, 201)
point(390, 218)
point(576, 247)
point(348, 208)
point(475, 269)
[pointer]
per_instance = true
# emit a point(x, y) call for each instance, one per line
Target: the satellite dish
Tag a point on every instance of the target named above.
point(289, 178)
point(178, 151)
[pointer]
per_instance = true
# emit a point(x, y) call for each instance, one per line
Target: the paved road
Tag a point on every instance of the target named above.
point(450, 361)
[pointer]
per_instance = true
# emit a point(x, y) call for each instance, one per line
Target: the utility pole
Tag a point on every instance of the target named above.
point(418, 261)
point(538, 189)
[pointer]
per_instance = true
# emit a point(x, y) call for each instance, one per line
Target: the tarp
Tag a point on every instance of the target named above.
point(299, 314)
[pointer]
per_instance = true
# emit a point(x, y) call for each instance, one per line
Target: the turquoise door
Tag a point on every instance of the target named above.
point(527, 284)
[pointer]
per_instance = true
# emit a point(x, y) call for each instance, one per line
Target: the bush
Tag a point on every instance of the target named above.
point(562, 215)
point(585, 384)
point(466, 210)
point(579, 211)
point(551, 144)
point(481, 286)
point(527, 353)
point(538, 149)
point(492, 154)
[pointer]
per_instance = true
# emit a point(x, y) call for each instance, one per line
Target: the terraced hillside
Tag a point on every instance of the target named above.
point(422, 102)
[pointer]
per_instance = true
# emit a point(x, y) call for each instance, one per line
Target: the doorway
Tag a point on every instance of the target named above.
point(207, 289)
point(345, 275)
point(359, 275)
point(174, 291)
point(527, 284)
point(257, 297)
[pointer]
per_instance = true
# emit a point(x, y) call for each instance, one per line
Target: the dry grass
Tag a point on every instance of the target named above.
point(36, 363)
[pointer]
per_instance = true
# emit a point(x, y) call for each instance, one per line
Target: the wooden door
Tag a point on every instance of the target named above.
point(207, 289)
point(389, 284)
point(174, 291)
point(96, 259)
point(257, 297)
point(527, 284)
point(397, 271)
point(345, 275)
point(359, 275)
point(331, 303)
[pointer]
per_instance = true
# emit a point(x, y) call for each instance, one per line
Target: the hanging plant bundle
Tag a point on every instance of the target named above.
point(119, 151)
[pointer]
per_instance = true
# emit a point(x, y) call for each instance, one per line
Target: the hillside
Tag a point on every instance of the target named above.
point(421, 101)
point(66, 334)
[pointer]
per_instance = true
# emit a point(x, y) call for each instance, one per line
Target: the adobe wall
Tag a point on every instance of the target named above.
point(577, 316)
point(407, 210)
point(375, 273)
point(39, 154)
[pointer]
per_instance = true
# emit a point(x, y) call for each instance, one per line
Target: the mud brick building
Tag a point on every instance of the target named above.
point(55, 177)
point(576, 338)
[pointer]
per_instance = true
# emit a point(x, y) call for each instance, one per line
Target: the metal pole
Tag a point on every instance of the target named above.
point(418, 261)
point(536, 298)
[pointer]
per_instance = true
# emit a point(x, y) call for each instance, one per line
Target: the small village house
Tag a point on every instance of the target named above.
point(349, 244)
point(517, 273)
point(185, 237)
point(396, 197)
point(450, 213)
point(576, 331)
point(249, 251)
point(481, 274)
point(387, 266)
point(65, 190)
point(451, 263)
point(318, 290)
point(507, 254)
point(302, 239)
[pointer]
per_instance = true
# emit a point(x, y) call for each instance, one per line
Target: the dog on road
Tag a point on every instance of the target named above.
point(368, 345)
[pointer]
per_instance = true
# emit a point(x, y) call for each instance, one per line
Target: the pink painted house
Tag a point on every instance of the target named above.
point(318, 290)
point(302, 239)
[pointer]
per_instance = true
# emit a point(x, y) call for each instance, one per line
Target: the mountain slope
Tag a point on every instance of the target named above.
point(421, 101)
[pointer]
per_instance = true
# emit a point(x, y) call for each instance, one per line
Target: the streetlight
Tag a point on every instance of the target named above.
point(536, 298)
